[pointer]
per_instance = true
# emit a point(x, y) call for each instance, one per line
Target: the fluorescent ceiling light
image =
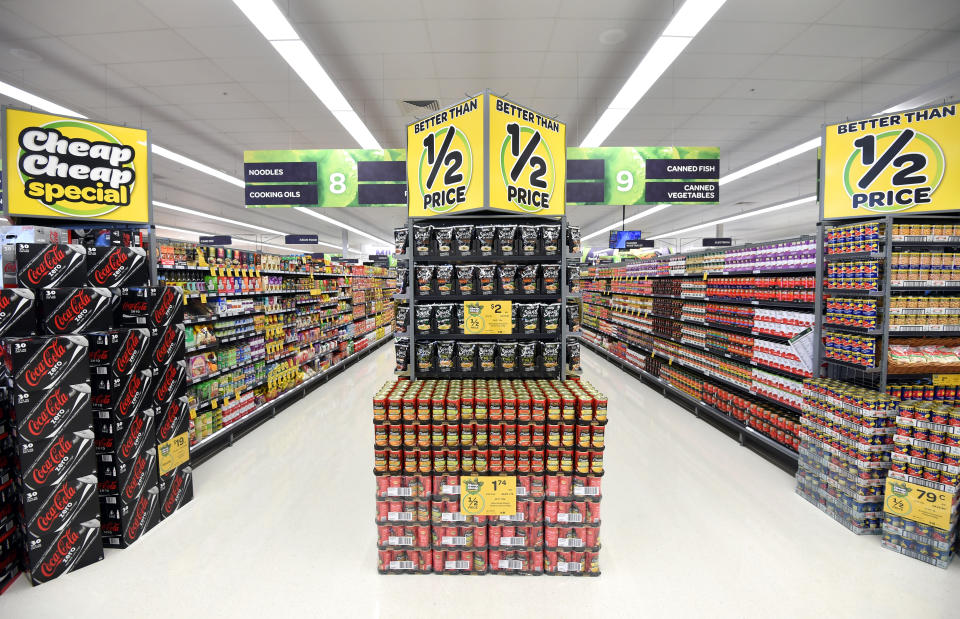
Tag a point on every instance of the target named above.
point(685, 25)
point(275, 27)
point(188, 211)
point(233, 240)
point(314, 213)
point(771, 160)
point(775, 207)
point(640, 215)
point(38, 102)
point(196, 165)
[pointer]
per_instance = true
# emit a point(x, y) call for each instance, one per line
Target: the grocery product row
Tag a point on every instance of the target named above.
point(447, 358)
point(464, 239)
point(470, 280)
point(525, 318)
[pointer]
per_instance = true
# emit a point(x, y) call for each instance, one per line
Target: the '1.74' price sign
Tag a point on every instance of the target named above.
point(488, 496)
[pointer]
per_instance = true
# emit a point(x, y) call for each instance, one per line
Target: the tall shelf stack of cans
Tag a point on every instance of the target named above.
point(549, 434)
point(926, 454)
point(846, 437)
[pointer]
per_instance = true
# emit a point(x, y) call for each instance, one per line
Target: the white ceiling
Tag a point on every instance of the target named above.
point(762, 76)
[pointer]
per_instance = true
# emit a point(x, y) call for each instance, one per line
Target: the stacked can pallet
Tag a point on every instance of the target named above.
point(846, 438)
point(927, 456)
point(548, 434)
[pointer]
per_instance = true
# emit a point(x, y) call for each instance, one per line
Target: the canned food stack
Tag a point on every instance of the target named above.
point(927, 456)
point(548, 434)
point(846, 437)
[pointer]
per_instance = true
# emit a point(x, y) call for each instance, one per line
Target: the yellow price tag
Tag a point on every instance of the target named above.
point(173, 453)
point(488, 496)
point(236, 394)
point(487, 317)
point(919, 503)
point(203, 297)
point(186, 299)
point(213, 271)
point(258, 272)
point(946, 379)
point(193, 413)
point(213, 403)
point(704, 276)
point(315, 292)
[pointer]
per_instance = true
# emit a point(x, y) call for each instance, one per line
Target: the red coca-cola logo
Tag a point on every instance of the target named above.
point(58, 452)
point(4, 303)
point(47, 362)
point(130, 347)
point(111, 527)
point(99, 356)
point(115, 261)
point(45, 265)
point(134, 306)
point(103, 444)
point(126, 403)
point(61, 501)
point(175, 486)
point(163, 349)
point(48, 414)
point(139, 467)
point(65, 545)
point(107, 486)
point(130, 442)
point(168, 420)
point(139, 517)
point(163, 306)
point(101, 400)
point(164, 389)
point(79, 302)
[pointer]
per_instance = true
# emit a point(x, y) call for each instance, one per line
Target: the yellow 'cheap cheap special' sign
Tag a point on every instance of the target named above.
point(488, 496)
point(487, 317)
point(895, 163)
point(445, 160)
point(528, 160)
point(918, 503)
point(57, 166)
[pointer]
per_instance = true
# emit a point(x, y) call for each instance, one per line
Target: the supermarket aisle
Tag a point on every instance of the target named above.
point(693, 525)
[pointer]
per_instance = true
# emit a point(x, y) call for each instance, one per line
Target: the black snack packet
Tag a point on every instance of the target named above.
point(485, 239)
point(551, 317)
point(458, 327)
point(573, 317)
point(443, 318)
point(573, 278)
point(424, 318)
point(529, 283)
point(487, 284)
point(507, 239)
point(466, 357)
point(514, 310)
point(445, 357)
point(402, 349)
point(528, 240)
point(403, 317)
point(528, 357)
point(400, 240)
point(444, 237)
point(550, 233)
point(551, 278)
point(551, 357)
point(573, 239)
point(425, 357)
point(487, 357)
point(508, 357)
point(402, 273)
point(530, 318)
point(444, 279)
point(507, 274)
point(425, 279)
point(421, 239)
point(573, 355)
point(463, 239)
point(465, 283)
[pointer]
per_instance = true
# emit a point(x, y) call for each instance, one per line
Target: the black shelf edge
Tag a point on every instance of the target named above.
point(496, 337)
point(474, 258)
point(851, 292)
point(811, 269)
point(860, 255)
point(849, 329)
point(453, 298)
point(852, 366)
point(201, 379)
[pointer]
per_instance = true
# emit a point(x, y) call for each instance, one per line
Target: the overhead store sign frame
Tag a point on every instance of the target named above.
point(486, 154)
point(64, 167)
point(893, 164)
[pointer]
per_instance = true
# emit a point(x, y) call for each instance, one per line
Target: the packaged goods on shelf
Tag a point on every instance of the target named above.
point(854, 238)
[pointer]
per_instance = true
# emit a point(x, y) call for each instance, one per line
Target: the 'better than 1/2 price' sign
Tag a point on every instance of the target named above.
point(919, 503)
point(487, 317)
point(488, 496)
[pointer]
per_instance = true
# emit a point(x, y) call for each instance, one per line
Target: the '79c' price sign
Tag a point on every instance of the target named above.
point(487, 317)
point(919, 503)
point(488, 496)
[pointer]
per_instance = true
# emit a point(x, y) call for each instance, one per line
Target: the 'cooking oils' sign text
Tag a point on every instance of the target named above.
point(66, 167)
point(444, 160)
point(894, 163)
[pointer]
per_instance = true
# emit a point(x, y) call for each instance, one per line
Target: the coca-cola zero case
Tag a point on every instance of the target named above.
point(67, 311)
point(125, 523)
point(176, 490)
point(151, 306)
point(18, 312)
point(117, 266)
point(41, 363)
point(50, 265)
point(77, 546)
point(119, 352)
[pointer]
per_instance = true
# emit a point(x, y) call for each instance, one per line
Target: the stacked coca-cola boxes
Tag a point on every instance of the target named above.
point(160, 309)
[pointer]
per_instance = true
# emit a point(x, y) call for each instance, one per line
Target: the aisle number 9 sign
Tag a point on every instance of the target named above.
point(527, 160)
point(444, 160)
point(892, 164)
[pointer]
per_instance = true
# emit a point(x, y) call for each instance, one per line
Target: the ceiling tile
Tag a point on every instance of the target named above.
point(438, 10)
point(893, 13)
point(232, 110)
point(13, 27)
point(194, 14)
point(805, 12)
point(327, 11)
point(129, 46)
point(227, 41)
point(268, 68)
point(357, 37)
point(744, 38)
point(171, 72)
point(585, 35)
point(851, 41)
point(225, 92)
point(516, 35)
point(61, 18)
point(714, 65)
point(404, 66)
point(483, 65)
point(249, 125)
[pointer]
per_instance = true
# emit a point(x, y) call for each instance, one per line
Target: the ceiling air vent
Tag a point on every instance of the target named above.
point(418, 107)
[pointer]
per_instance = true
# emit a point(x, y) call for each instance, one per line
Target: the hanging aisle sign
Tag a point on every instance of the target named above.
point(445, 160)
point(528, 160)
point(632, 175)
point(895, 163)
point(64, 167)
point(324, 178)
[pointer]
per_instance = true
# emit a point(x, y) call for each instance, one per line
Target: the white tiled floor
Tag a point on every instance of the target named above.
point(693, 525)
